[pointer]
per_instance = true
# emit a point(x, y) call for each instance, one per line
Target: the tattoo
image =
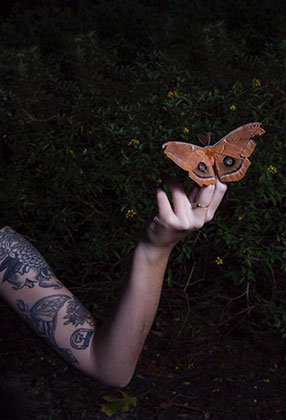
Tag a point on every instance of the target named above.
point(80, 338)
point(42, 318)
point(77, 314)
point(18, 257)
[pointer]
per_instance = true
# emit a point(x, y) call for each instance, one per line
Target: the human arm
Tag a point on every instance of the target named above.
point(108, 352)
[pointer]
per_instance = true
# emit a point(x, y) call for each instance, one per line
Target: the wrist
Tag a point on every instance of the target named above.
point(153, 253)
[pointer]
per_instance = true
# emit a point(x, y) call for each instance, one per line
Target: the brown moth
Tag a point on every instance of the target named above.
point(227, 158)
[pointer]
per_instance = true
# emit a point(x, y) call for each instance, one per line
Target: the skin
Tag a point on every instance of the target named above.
point(108, 352)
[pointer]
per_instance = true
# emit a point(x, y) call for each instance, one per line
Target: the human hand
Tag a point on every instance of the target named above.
point(174, 222)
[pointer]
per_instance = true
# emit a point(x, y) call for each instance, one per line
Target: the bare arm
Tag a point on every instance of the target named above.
point(109, 352)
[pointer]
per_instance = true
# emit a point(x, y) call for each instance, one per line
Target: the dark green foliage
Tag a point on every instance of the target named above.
point(78, 88)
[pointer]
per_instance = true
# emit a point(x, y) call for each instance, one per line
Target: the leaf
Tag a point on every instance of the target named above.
point(118, 404)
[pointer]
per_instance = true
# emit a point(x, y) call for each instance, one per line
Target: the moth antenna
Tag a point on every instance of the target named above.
point(203, 139)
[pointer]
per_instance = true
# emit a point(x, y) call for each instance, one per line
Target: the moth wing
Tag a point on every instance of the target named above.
point(238, 142)
point(232, 151)
point(188, 157)
point(234, 171)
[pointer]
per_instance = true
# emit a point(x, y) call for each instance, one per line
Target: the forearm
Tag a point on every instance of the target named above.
point(30, 287)
point(117, 344)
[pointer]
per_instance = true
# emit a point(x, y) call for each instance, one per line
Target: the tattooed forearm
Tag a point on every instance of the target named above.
point(22, 264)
point(77, 314)
point(42, 318)
point(80, 338)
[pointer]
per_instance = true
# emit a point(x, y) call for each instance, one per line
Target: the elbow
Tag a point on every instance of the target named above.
point(119, 380)
point(114, 381)
point(124, 382)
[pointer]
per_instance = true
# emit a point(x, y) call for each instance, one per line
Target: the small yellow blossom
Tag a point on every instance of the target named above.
point(219, 261)
point(20, 54)
point(133, 142)
point(237, 84)
point(272, 169)
point(206, 30)
point(159, 180)
point(173, 94)
point(77, 39)
point(267, 380)
point(186, 130)
point(130, 213)
point(256, 82)
point(241, 217)
point(70, 151)
point(84, 152)
point(232, 107)
point(9, 114)
point(4, 136)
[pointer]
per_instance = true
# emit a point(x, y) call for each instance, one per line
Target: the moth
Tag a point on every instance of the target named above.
point(228, 158)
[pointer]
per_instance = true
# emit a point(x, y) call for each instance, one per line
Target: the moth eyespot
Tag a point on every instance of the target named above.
point(202, 167)
point(228, 161)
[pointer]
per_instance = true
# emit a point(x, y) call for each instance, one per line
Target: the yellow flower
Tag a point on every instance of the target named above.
point(130, 213)
point(241, 217)
point(267, 380)
point(70, 151)
point(232, 107)
point(256, 82)
point(20, 54)
point(133, 142)
point(186, 130)
point(173, 94)
point(272, 169)
point(77, 39)
point(237, 84)
point(4, 136)
point(206, 30)
point(219, 261)
point(84, 152)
